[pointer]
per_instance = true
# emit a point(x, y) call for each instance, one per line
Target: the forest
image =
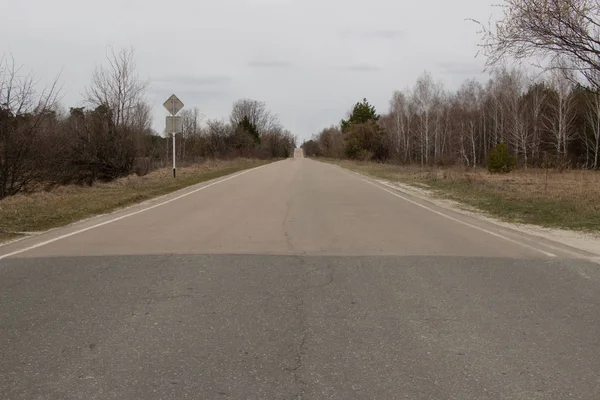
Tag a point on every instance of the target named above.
point(43, 144)
point(540, 106)
point(544, 122)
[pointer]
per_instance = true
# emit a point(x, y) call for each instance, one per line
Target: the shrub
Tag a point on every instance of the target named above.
point(366, 140)
point(498, 159)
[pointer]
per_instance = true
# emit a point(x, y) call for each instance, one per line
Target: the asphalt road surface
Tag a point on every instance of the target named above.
point(296, 280)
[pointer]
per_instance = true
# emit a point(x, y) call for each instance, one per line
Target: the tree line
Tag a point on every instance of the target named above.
point(42, 144)
point(551, 119)
point(543, 122)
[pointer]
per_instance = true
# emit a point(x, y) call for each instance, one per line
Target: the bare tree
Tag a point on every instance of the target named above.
point(424, 96)
point(538, 94)
point(24, 116)
point(331, 142)
point(441, 118)
point(470, 99)
point(592, 140)
point(118, 86)
point(563, 116)
point(141, 118)
point(192, 118)
point(217, 134)
point(513, 84)
point(400, 125)
point(257, 114)
point(551, 30)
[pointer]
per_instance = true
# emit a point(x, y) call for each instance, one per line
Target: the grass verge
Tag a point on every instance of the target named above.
point(549, 198)
point(63, 205)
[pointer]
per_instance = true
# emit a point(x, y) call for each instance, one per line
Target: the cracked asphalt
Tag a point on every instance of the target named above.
point(297, 280)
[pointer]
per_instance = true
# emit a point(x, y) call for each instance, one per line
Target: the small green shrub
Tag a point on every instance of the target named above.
point(498, 159)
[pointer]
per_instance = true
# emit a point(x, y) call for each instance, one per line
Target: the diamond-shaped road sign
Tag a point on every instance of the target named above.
point(173, 105)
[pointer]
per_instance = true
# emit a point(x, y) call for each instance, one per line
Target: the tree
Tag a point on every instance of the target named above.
point(253, 116)
point(513, 83)
point(399, 126)
point(551, 30)
point(250, 128)
point(424, 96)
point(536, 100)
point(191, 129)
point(366, 141)
point(561, 120)
point(118, 87)
point(592, 135)
point(469, 98)
point(278, 143)
point(361, 114)
point(24, 116)
point(217, 136)
point(499, 160)
point(331, 142)
point(118, 120)
point(311, 148)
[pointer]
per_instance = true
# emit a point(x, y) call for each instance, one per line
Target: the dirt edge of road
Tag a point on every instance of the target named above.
point(580, 240)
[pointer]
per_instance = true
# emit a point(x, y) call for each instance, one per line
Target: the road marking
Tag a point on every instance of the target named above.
point(594, 259)
point(586, 276)
point(562, 250)
point(77, 232)
point(547, 254)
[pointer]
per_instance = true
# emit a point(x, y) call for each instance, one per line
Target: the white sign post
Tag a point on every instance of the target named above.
point(174, 124)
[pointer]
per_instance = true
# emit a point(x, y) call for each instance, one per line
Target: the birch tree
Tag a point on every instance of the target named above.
point(561, 120)
point(118, 87)
point(424, 95)
point(401, 120)
point(592, 139)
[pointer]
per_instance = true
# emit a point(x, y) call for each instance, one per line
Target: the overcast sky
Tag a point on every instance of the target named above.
point(310, 60)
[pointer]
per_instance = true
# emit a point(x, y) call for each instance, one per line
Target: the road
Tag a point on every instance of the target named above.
point(296, 280)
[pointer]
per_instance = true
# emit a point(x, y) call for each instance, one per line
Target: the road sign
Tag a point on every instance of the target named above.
point(173, 105)
point(174, 124)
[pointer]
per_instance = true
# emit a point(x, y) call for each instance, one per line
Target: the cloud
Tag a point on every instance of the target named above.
point(360, 68)
point(203, 95)
point(269, 64)
point(192, 81)
point(373, 34)
point(196, 86)
point(457, 68)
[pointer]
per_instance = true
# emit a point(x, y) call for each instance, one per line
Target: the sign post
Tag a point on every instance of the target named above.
point(174, 105)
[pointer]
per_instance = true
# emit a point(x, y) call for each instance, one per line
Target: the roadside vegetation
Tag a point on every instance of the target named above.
point(523, 145)
point(27, 213)
point(43, 144)
point(58, 165)
point(545, 197)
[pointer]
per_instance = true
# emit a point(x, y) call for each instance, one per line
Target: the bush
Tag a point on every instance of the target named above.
point(498, 159)
point(311, 149)
point(366, 140)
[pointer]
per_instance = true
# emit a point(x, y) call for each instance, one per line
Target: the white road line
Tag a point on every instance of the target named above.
point(77, 232)
point(547, 254)
point(562, 250)
point(586, 276)
point(595, 260)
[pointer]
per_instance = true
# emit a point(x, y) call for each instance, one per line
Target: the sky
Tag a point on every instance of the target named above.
point(309, 60)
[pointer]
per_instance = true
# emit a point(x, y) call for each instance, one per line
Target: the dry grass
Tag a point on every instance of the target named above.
point(66, 204)
point(568, 199)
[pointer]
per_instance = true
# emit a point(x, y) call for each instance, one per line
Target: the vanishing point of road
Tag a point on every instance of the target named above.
point(296, 280)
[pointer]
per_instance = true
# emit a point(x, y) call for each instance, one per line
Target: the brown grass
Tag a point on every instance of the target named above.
point(22, 214)
point(568, 199)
